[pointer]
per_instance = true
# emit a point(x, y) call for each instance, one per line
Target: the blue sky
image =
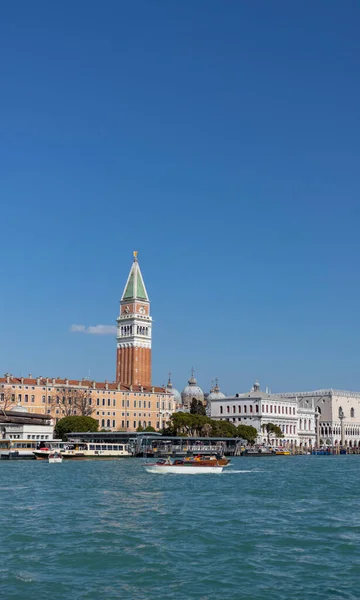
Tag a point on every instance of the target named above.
point(220, 140)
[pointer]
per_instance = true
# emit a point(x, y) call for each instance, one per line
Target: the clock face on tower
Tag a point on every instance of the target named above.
point(141, 310)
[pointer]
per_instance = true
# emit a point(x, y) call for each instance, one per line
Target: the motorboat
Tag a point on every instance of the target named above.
point(55, 457)
point(184, 467)
point(212, 459)
point(282, 452)
point(256, 452)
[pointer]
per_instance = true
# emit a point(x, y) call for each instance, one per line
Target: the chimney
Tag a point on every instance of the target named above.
point(66, 381)
point(22, 380)
point(38, 380)
point(153, 389)
point(94, 385)
point(30, 376)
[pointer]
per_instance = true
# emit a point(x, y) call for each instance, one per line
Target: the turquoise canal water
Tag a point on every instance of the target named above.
point(279, 528)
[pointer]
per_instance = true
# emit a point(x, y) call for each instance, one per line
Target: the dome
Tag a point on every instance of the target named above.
point(192, 391)
point(215, 393)
point(171, 390)
point(19, 408)
point(256, 386)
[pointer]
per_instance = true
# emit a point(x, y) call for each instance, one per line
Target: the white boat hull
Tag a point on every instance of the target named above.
point(55, 460)
point(182, 469)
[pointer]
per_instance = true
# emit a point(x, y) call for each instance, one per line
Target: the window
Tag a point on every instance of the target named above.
point(109, 401)
point(103, 401)
point(221, 410)
point(282, 410)
point(271, 408)
point(139, 403)
point(114, 402)
point(134, 403)
point(251, 408)
point(32, 398)
point(19, 397)
point(43, 399)
point(267, 408)
point(293, 410)
point(274, 409)
point(257, 408)
point(234, 408)
point(102, 422)
point(228, 409)
point(239, 408)
point(149, 404)
point(89, 401)
point(108, 423)
point(286, 411)
point(26, 398)
point(352, 412)
point(98, 401)
point(245, 408)
point(114, 424)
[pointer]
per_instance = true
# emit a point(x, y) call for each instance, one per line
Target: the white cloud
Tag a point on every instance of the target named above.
point(94, 329)
point(78, 328)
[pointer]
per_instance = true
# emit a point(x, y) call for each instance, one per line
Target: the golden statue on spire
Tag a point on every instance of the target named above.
point(135, 253)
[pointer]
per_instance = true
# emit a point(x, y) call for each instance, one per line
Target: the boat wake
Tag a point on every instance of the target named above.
point(233, 471)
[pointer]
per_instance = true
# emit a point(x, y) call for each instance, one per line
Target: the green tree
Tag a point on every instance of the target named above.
point(74, 423)
point(140, 428)
point(197, 408)
point(149, 428)
point(272, 429)
point(247, 432)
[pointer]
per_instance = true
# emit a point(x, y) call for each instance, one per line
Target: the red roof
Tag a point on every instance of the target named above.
point(97, 385)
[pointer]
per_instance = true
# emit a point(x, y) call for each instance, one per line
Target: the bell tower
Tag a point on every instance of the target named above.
point(133, 361)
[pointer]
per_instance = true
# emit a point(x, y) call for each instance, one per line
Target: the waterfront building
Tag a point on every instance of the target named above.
point(125, 404)
point(191, 392)
point(257, 408)
point(19, 424)
point(337, 414)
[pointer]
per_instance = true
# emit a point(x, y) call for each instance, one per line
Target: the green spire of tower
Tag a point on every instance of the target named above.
point(135, 287)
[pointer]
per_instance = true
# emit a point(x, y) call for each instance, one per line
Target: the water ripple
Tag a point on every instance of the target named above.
point(279, 528)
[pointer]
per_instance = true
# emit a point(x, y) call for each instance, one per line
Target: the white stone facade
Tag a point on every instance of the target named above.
point(295, 418)
point(329, 405)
